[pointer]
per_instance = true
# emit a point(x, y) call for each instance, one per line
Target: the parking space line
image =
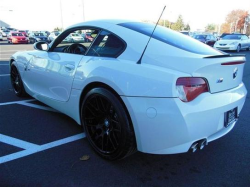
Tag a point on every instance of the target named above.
point(17, 102)
point(4, 75)
point(38, 106)
point(37, 149)
point(16, 142)
point(4, 64)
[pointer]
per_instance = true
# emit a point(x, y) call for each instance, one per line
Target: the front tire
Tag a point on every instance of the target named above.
point(16, 82)
point(107, 125)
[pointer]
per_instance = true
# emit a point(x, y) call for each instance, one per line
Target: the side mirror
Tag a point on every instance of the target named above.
point(41, 46)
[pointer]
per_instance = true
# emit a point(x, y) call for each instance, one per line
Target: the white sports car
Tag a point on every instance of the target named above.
point(173, 95)
point(233, 42)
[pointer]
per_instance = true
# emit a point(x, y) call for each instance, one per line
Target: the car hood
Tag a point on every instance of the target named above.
point(18, 37)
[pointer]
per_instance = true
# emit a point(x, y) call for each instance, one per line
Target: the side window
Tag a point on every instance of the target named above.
point(75, 41)
point(107, 45)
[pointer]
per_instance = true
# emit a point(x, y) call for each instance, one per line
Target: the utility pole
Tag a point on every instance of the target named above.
point(236, 24)
point(83, 16)
point(61, 14)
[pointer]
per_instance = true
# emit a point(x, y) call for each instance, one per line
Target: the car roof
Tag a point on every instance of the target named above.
point(102, 21)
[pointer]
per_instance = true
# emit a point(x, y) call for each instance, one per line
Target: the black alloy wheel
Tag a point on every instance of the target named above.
point(107, 125)
point(16, 82)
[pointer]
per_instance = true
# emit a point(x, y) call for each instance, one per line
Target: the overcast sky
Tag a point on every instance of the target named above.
point(46, 14)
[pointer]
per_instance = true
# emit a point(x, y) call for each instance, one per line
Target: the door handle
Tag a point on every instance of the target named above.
point(69, 67)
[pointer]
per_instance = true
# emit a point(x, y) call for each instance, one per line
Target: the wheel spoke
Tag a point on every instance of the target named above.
point(102, 124)
point(115, 139)
point(110, 140)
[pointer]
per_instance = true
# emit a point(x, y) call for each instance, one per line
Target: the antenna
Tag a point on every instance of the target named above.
point(139, 61)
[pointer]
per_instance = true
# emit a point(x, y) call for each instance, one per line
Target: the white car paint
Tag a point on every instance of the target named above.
point(242, 42)
point(163, 124)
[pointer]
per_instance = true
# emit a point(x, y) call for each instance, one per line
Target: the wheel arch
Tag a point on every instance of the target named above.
point(103, 85)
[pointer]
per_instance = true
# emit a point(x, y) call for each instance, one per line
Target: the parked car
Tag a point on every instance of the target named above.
point(53, 35)
point(1, 36)
point(223, 34)
point(23, 32)
point(37, 36)
point(5, 32)
point(208, 39)
point(16, 38)
point(167, 95)
point(235, 42)
point(185, 33)
point(74, 37)
point(88, 37)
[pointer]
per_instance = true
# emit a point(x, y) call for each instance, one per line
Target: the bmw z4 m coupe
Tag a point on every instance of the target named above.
point(160, 93)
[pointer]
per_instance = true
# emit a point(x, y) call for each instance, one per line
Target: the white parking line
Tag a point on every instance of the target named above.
point(4, 64)
point(16, 142)
point(36, 149)
point(26, 103)
point(4, 75)
point(17, 102)
point(38, 106)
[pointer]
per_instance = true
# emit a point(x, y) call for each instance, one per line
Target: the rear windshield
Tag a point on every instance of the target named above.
point(172, 38)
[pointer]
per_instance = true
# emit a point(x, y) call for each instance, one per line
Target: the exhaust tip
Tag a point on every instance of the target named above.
point(202, 144)
point(194, 147)
point(198, 145)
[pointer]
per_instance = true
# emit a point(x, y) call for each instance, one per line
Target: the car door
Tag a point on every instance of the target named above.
point(51, 74)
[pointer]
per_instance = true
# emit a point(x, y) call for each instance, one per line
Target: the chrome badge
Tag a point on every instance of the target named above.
point(235, 73)
point(220, 80)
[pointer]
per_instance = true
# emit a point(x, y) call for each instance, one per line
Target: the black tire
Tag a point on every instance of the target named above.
point(248, 48)
point(16, 82)
point(107, 125)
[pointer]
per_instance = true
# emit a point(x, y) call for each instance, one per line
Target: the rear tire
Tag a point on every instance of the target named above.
point(16, 82)
point(107, 125)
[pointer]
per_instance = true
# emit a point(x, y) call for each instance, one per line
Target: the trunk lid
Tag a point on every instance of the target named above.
point(222, 73)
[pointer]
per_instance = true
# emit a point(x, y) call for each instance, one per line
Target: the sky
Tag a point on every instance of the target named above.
point(49, 14)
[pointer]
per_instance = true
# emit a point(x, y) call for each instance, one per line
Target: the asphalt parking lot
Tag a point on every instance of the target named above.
point(42, 147)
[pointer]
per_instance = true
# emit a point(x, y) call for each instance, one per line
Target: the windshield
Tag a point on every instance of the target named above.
point(172, 38)
point(200, 36)
point(38, 34)
point(75, 34)
point(17, 34)
point(232, 37)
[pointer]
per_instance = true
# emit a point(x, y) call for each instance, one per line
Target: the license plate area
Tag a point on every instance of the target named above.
point(230, 117)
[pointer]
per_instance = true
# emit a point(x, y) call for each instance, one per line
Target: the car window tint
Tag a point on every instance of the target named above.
point(172, 38)
point(107, 45)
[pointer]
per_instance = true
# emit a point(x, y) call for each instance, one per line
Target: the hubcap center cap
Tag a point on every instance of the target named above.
point(106, 122)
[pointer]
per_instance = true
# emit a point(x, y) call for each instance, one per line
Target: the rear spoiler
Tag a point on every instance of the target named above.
point(225, 55)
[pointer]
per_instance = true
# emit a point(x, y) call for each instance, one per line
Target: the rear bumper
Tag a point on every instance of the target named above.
point(168, 125)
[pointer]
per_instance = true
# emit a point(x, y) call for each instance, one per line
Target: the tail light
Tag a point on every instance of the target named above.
point(190, 87)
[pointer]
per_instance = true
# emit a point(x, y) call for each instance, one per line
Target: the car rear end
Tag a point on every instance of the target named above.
point(207, 94)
